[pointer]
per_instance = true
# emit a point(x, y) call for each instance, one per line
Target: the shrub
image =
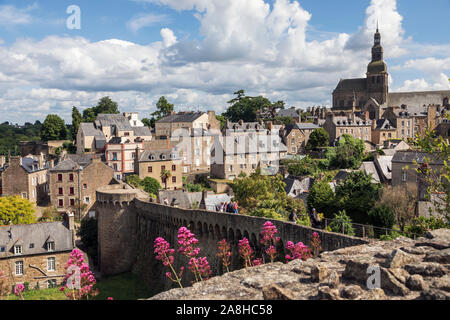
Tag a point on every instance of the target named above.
point(340, 219)
point(382, 216)
point(421, 225)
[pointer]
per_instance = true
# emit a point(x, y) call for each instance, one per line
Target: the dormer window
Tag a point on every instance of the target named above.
point(50, 245)
point(152, 157)
point(17, 249)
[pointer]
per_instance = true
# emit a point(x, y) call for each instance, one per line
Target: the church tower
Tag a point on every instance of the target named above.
point(377, 76)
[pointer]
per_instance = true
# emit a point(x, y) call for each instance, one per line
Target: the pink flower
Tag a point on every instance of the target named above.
point(245, 251)
point(18, 289)
point(257, 262)
point(110, 298)
point(298, 251)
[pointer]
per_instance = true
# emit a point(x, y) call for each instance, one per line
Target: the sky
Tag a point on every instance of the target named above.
point(56, 54)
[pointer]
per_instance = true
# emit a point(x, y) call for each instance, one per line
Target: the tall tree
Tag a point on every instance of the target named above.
point(349, 152)
point(16, 210)
point(165, 174)
point(245, 108)
point(53, 128)
point(77, 118)
point(317, 139)
point(163, 108)
point(106, 105)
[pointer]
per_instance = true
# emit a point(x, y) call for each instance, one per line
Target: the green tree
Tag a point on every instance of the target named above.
point(342, 222)
point(357, 195)
point(163, 108)
point(349, 152)
point(89, 115)
point(147, 122)
point(53, 128)
point(133, 180)
point(16, 210)
point(223, 121)
point(77, 118)
point(382, 216)
point(438, 178)
point(317, 139)
point(106, 106)
point(165, 175)
point(150, 185)
point(261, 195)
point(321, 197)
point(245, 108)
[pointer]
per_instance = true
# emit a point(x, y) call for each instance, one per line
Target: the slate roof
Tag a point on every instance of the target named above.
point(36, 234)
point(90, 130)
point(117, 120)
point(158, 155)
point(359, 84)
point(32, 165)
point(291, 112)
point(81, 159)
point(65, 165)
point(142, 131)
point(244, 126)
point(384, 124)
point(410, 156)
point(345, 121)
point(370, 169)
point(384, 164)
point(181, 117)
point(301, 126)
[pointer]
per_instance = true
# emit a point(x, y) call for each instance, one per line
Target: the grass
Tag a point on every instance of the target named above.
point(126, 286)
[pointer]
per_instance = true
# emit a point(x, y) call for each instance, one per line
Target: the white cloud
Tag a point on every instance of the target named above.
point(245, 45)
point(145, 20)
point(11, 16)
point(441, 83)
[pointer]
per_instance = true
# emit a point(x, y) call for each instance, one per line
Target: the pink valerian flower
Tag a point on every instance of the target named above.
point(79, 280)
point(165, 254)
point(110, 298)
point(245, 251)
point(272, 253)
point(315, 244)
point(257, 262)
point(298, 251)
point(18, 289)
point(200, 267)
point(269, 238)
point(224, 253)
point(188, 243)
point(163, 251)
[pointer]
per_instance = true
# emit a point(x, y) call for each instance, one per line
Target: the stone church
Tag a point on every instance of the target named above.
point(371, 94)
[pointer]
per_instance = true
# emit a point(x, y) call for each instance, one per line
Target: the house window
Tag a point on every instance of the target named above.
point(87, 200)
point(70, 176)
point(60, 191)
point(150, 169)
point(115, 166)
point(51, 264)
point(404, 175)
point(61, 203)
point(185, 169)
point(163, 168)
point(85, 186)
point(31, 245)
point(19, 268)
point(174, 168)
point(2, 249)
point(72, 202)
point(127, 134)
point(72, 190)
point(174, 179)
point(17, 249)
point(114, 156)
point(60, 179)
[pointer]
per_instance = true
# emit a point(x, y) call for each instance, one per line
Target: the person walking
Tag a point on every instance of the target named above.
point(166, 201)
point(235, 208)
point(293, 216)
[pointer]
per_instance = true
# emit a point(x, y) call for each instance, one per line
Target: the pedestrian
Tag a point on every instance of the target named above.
point(230, 207)
point(293, 216)
point(235, 208)
point(166, 201)
point(315, 220)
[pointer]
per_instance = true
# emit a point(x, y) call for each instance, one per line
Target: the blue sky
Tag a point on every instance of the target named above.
point(198, 52)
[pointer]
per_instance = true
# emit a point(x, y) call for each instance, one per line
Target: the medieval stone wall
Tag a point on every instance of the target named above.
point(128, 229)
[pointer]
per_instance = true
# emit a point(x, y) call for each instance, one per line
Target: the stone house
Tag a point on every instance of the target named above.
point(243, 148)
point(175, 123)
point(296, 136)
point(120, 154)
point(353, 125)
point(93, 137)
point(404, 171)
point(383, 130)
point(74, 180)
point(151, 163)
point(36, 253)
point(26, 177)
